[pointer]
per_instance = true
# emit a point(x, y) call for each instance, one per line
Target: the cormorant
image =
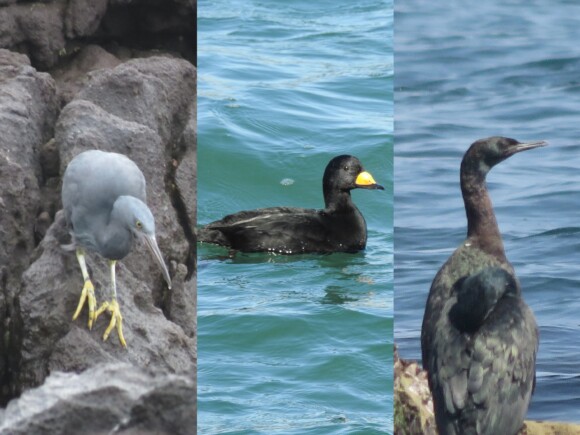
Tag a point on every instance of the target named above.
point(479, 339)
point(339, 227)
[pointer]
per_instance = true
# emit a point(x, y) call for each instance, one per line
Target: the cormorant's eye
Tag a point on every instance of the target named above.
point(138, 224)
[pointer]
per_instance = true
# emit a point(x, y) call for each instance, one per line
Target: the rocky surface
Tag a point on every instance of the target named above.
point(50, 31)
point(414, 406)
point(119, 76)
point(28, 110)
point(109, 398)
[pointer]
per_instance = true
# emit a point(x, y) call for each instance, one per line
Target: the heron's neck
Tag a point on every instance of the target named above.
point(482, 226)
point(115, 240)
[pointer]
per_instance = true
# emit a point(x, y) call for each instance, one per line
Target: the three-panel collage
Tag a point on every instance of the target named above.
point(289, 217)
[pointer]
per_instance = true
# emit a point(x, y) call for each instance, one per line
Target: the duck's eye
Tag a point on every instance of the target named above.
point(138, 224)
point(346, 168)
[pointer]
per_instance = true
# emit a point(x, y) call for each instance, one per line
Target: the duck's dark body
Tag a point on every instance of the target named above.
point(289, 230)
point(479, 339)
point(339, 227)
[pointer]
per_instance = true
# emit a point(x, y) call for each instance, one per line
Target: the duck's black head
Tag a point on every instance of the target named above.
point(484, 154)
point(344, 173)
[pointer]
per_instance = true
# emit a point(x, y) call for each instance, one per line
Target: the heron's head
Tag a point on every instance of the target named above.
point(138, 218)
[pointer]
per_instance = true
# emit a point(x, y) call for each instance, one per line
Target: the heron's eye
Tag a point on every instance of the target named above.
point(138, 224)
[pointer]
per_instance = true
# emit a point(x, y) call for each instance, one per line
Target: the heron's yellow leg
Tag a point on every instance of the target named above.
point(113, 308)
point(88, 293)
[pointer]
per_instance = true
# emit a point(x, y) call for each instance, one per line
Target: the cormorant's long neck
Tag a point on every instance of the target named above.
point(481, 223)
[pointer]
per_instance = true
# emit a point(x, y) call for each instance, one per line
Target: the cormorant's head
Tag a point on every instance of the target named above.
point(484, 154)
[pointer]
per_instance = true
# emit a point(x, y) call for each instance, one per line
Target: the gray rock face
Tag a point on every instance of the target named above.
point(71, 75)
point(51, 341)
point(139, 109)
point(82, 17)
point(35, 28)
point(144, 108)
point(101, 118)
point(51, 30)
point(108, 397)
point(28, 110)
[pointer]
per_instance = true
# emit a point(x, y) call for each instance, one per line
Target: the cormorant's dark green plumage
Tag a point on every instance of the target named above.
point(479, 339)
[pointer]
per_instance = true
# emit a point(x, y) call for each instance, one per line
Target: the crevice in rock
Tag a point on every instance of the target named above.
point(49, 185)
point(180, 207)
point(5, 395)
point(13, 352)
point(168, 26)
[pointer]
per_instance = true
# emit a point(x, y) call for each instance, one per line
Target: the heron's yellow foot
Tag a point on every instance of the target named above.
point(88, 294)
point(116, 319)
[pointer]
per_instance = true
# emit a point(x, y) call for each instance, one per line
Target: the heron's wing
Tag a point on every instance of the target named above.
point(94, 180)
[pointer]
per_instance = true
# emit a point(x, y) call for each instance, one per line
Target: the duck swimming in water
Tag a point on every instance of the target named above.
point(479, 339)
point(339, 227)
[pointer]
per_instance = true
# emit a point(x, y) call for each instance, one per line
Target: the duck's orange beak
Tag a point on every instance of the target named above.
point(365, 180)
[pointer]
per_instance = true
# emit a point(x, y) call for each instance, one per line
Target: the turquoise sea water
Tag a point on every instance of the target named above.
point(294, 344)
point(464, 73)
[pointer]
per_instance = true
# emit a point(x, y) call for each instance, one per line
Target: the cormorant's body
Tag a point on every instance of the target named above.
point(479, 339)
point(339, 227)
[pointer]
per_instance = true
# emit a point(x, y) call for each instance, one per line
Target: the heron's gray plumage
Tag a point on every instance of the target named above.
point(94, 182)
point(104, 199)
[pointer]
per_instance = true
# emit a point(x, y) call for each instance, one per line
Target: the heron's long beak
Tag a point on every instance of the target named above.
point(151, 243)
point(365, 180)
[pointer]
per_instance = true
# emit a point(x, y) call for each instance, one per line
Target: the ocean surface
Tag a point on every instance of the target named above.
point(294, 344)
point(463, 73)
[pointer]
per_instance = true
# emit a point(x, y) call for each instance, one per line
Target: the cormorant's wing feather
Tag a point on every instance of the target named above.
point(481, 373)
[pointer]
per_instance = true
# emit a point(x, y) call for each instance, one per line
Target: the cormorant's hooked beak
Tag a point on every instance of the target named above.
point(526, 146)
point(151, 243)
point(365, 180)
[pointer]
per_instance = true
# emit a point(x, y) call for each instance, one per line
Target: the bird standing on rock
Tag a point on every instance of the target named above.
point(339, 227)
point(104, 199)
point(479, 339)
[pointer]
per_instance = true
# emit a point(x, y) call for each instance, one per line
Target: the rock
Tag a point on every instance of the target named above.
point(9, 58)
point(139, 108)
point(83, 17)
point(186, 172)
point(28, 109)
point(50, 341)
point(144, 108)
point(549, 428)
point(157, 92)
point(50, 31)
point(180, 304)
point(70, 75)
point(118, 398)
point(36, 28)
point(413, 406)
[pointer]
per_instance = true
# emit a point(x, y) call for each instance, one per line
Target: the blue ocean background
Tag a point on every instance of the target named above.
point(294, 344)
point(469, 70)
